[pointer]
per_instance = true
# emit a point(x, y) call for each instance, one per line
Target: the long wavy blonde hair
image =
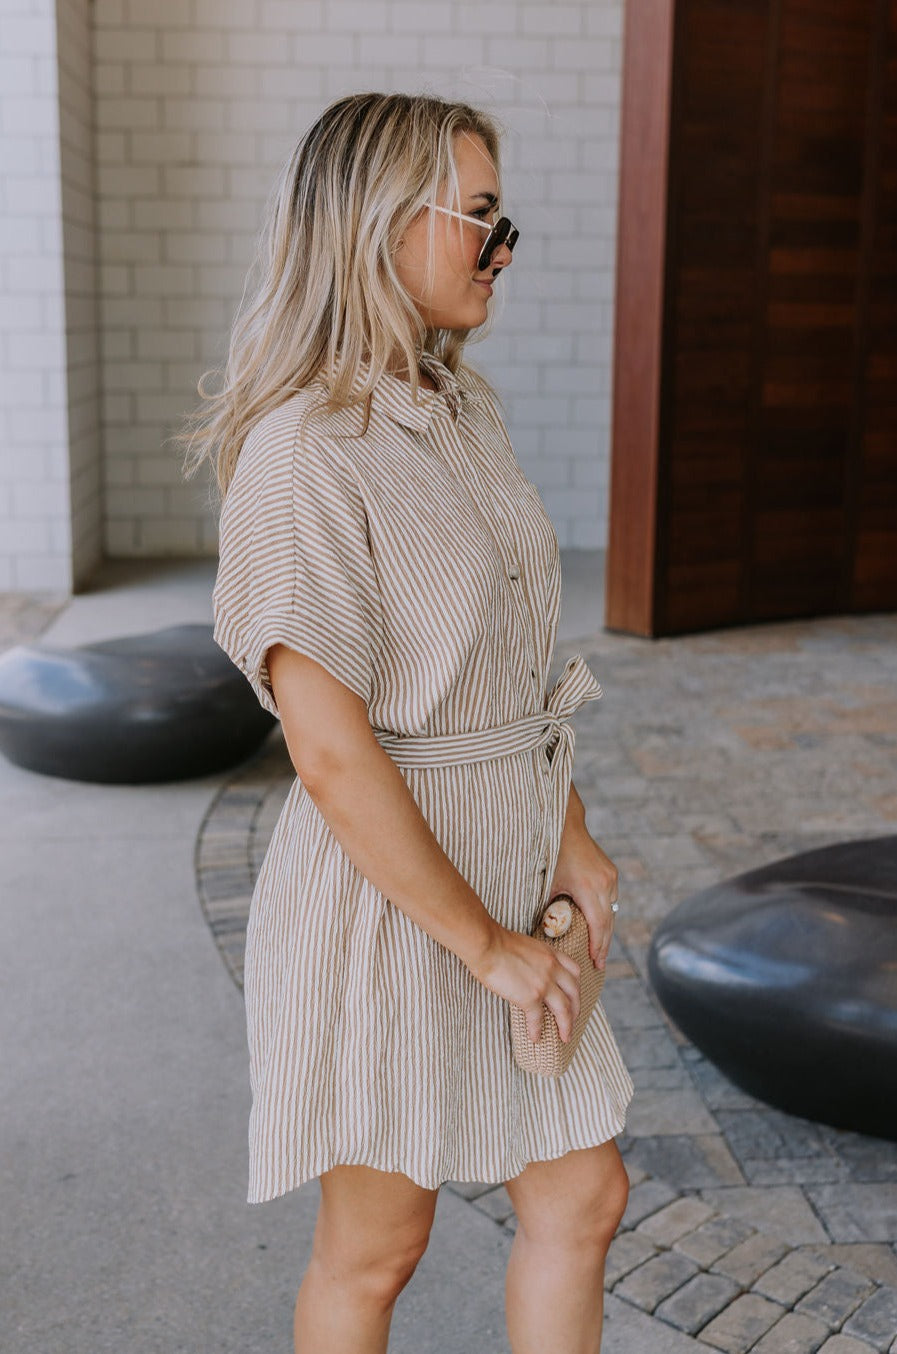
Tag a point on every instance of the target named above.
point(327, 295)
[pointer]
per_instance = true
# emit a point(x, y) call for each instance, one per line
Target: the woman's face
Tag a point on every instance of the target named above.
point(458, 297)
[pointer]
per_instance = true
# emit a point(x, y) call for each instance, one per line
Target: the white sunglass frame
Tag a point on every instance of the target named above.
point(462, 216)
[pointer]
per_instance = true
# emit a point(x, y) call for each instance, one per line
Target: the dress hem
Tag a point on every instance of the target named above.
point(481, 1179)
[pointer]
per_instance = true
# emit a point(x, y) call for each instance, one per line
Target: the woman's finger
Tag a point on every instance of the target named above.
point(569, 985)
point(565, 1002)
point(598, 938)
point(534, 1017)
point(570, 964)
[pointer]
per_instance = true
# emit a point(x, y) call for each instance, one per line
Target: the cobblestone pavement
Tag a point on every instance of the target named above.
point(747, 1228)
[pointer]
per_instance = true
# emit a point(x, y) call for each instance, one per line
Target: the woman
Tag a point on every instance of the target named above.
point(389, 583)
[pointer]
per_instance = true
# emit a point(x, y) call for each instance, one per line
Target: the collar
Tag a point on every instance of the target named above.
point(393, 397)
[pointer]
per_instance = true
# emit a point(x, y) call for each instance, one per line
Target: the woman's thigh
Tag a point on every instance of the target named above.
point(369, 1217)
point(575, 1200)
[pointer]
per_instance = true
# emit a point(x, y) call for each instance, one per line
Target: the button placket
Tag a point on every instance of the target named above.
point(512, 567)
point(541, 876)
point(514, 574)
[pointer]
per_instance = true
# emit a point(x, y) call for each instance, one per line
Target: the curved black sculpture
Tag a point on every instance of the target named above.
point(786, 978)
point(167, 705)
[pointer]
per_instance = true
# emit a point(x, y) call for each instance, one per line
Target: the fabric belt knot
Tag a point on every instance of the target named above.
point(549, 728)
point(575, 685)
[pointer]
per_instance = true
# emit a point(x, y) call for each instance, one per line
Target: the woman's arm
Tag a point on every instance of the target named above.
point(576, 811)
point(365, 800)
point(586, 872)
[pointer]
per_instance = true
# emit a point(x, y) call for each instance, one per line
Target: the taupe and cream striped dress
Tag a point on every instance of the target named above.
point(417, 563)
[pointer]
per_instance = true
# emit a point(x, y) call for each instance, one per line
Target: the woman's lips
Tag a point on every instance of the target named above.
point(487, 285)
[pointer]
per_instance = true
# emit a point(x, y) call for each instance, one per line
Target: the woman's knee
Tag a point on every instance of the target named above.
point(598, 1211)
point(579, 1205)
point(372, 1230)
point(375, 1273)
point(613, 1201)
point(395, 1269)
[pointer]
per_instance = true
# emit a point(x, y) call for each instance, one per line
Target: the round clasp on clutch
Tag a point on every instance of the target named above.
point(558, 916)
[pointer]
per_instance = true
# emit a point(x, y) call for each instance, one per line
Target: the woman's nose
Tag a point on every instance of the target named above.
point(501, 258)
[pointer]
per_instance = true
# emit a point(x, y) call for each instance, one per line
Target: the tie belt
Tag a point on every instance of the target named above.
point(549, 728)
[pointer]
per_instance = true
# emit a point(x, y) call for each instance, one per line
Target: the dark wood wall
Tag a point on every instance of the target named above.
point(754, 459)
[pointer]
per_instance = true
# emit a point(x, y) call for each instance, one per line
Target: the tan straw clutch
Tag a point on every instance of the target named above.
point(562, 926)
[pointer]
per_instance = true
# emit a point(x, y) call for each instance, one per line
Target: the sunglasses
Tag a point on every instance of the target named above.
point(503, 232)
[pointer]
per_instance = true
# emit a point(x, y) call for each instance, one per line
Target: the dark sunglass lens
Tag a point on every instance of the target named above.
point(497, 236)
point(512, 238)
point(486, 253)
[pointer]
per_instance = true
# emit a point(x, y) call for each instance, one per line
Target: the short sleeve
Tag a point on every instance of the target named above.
point(295, 565)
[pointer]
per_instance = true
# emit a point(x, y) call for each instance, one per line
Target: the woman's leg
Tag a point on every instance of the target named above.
point(371, 1230)
point(567, 1213)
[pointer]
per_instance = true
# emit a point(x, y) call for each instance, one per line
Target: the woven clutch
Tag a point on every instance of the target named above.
point(563, 927)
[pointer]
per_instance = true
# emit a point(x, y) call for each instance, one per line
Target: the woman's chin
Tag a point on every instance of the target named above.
point(470, 315)
point(475, 316)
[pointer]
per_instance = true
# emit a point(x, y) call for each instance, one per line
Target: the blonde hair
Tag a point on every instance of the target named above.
point(328, 296)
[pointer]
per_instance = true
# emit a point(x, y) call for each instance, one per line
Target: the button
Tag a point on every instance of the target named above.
point(513, 570)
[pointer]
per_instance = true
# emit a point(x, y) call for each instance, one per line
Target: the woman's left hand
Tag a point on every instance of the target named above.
point(585, 872)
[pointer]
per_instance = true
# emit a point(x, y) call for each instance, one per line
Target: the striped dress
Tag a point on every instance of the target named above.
point(415, 561)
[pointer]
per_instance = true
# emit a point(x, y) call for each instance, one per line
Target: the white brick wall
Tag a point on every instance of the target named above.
point(76, 155)
point(197, 102)
point(34, 509)
point(50, 500)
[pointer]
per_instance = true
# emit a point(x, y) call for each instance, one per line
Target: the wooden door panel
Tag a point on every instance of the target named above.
point(762, 481)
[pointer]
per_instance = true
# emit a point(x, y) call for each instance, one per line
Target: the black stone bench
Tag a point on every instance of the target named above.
point(786, 978)
point(167, 705)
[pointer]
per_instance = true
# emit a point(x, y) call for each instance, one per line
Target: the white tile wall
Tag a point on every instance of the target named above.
point(83, 356)
point(50, 482)
point(35, 548)
point(195, 105)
